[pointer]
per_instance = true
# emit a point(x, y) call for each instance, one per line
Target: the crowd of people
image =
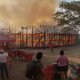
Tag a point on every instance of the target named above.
point(33, 68)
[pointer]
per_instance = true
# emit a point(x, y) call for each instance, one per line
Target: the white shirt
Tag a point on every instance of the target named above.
point(3, 57)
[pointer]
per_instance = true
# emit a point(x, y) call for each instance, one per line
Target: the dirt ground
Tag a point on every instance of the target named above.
point(18, 67)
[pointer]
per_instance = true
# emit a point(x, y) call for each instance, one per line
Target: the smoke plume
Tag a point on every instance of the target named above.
point(27, 12)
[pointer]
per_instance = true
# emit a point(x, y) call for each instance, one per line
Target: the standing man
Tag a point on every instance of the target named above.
point(51, 46)
point(34, 68)
point(3, 64)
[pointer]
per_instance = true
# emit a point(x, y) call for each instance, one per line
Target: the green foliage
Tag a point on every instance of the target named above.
point(72, 6)
point(69, 14)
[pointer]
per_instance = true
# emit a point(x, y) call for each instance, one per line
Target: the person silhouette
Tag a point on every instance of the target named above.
point(34, 68)
point(3, 64)
point(62, 63)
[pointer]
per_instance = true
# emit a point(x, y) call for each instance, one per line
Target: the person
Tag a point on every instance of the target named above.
point(51, 46)
point(33, 71)
point(3, 64)
point(73, 73)
point(62, 63)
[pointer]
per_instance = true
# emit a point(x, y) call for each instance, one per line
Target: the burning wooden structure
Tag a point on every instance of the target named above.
point(44, 39)
point(41, 39)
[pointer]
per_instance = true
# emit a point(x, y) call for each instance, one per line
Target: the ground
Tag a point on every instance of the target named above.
point(18, 67)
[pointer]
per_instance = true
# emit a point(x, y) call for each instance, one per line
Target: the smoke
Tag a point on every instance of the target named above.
point(27, 12)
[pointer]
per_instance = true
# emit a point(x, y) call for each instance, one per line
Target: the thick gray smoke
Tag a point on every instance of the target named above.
point(27, 12)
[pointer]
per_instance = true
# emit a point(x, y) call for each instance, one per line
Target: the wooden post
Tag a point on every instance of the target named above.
point(32, 36)
point(26, 38)
point(44, 38)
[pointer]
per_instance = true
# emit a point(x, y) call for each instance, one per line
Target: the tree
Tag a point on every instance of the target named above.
point(69, 15)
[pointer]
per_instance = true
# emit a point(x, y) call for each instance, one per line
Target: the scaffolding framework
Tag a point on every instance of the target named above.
point(40, 38)
point(46, 38)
